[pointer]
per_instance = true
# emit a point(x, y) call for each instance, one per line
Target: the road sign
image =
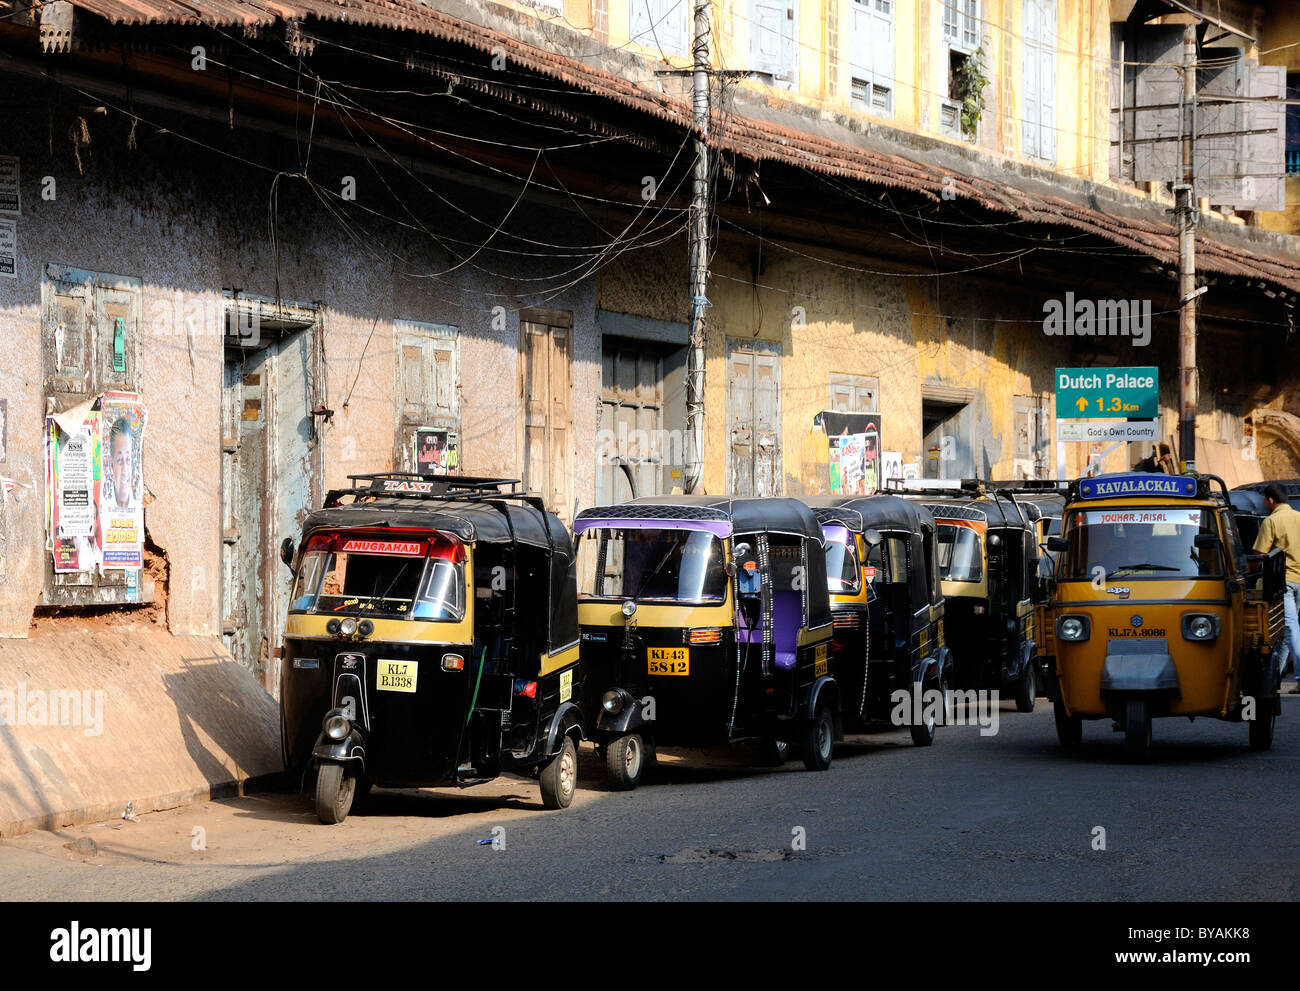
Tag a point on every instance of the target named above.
point(1106, 431)
point(1107, 393)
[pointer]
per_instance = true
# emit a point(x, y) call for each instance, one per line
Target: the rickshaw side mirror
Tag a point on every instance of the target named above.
point(286, 552)
point(1206, 540)
point(1057, 544)
point(732, 570)
point(872, 537)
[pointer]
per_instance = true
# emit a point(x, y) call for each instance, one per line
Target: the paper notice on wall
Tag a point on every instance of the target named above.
point(10, 197)
point(72, 474)
point(121, 509)
point(8, 248)
point(891, 466)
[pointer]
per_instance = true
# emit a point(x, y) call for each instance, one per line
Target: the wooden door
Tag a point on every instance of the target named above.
point(547, 338)
point(753, 418)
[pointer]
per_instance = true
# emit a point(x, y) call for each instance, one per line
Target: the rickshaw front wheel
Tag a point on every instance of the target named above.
point(1261, 728)
point(335, 790)
point(1137, 729)
point(624, 758)
point(1026, 689)
point(819, 740)
point(559, 778)
point(772, 752)
point(1069, 729)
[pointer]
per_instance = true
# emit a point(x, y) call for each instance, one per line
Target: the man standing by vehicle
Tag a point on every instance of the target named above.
point(1282, 529)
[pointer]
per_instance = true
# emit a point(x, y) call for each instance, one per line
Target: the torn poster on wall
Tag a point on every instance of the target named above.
point(437, 452)
point(94, 487)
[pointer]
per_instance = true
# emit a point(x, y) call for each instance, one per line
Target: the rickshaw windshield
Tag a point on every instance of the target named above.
point(958, 549)
point(842, 571)
point(1140, 544)
point(651, 565)
point(387, 577)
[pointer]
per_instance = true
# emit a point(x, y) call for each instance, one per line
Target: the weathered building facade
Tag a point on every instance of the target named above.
point(322, 239)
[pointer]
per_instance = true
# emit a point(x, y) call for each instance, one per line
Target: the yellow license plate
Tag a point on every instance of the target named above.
point(821, 660)
point(396, 676)
point(669, 660)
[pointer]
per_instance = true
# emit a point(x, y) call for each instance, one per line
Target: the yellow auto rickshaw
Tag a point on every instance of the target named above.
point(1158, 610)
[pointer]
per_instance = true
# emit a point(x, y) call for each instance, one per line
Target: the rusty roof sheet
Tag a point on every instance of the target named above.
point(751, 138)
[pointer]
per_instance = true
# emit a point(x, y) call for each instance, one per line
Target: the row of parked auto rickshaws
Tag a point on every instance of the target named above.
point(443, 631)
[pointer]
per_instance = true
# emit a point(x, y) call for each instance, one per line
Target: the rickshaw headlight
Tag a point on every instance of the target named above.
point(1072, 628)
point(348, 627)
point(337, 726)
point(1198, 626)
point(612, 702)
point(629, 607)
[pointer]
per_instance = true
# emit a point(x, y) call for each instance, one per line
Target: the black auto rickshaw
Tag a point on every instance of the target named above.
point(886, 606)
point(1250, 509)
point(988, 571)
point(705, 621)
point(432, 639)
point(1043, 503)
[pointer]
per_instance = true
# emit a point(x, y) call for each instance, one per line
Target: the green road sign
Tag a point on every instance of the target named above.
point(1107, 393)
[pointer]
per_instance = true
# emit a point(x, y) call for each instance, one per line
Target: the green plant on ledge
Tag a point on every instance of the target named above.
point(969, 89)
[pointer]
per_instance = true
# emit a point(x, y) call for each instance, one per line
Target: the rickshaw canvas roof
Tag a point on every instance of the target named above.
point(742, 515)
point(994, 512)
point(860, 513)
point(470, 521)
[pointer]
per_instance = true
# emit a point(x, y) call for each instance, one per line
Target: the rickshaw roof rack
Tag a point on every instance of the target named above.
point(1030, 485)
point(414, 485)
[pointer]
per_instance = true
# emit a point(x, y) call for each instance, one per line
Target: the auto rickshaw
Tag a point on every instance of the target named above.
point(886, 606)
point(432, 639)
point(1290, 488)
point(1250, 510)
point(1158, 610)
point(705, 621)
point(988, 565)
point(1043, 503)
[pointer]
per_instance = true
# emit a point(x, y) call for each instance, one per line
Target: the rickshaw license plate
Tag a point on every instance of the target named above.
point(396, 676)
point(669, 660)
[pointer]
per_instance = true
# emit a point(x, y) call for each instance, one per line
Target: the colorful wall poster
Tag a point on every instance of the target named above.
point(72, 479)
point(437, 452)
point(121, 509)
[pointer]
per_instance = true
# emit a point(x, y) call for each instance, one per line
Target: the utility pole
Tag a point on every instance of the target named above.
point(1184, 211)
point(699, 252)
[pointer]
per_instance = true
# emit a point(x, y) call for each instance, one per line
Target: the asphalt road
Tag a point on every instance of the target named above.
point(1000, 817)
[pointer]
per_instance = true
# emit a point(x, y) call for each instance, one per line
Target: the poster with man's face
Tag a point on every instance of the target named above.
point(121, 509)
point(435, 452)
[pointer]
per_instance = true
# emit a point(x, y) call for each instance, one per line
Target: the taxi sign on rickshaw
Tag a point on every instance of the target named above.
point(1138, 484)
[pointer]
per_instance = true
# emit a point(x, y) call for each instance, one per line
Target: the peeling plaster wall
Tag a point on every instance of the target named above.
point(189, 223)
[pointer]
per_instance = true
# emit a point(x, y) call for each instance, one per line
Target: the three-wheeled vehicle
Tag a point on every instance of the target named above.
point(1043, 503)
point(432, 639)
point(886, 607)
point(1158, 610)
point(1250, 509)
point(705, 621)
point(988, 572)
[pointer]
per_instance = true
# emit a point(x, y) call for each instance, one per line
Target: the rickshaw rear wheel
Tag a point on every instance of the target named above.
point(335, 789)
point(624, 759)
point(1261, 728)
point(1069, 729)
point(819, 740)
point(1137, 729)
point(1026, 689)
point(559, 778)
point(923, 732)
